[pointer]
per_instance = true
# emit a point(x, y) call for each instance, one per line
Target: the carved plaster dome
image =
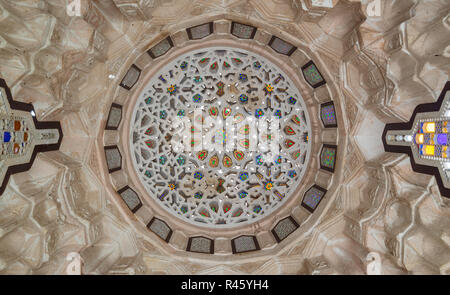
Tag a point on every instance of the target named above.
point(115, 148)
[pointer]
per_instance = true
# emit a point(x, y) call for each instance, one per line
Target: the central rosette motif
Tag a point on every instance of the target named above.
point(220, 137)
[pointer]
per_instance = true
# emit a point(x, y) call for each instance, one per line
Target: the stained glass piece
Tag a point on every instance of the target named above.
point(259, 160)
point(162, 160)
point(292, 173)
point(226, 112)
point(296, 154)
point(150, 143)
point(296, 120)
point(278, 160)
point(220, 88)
point(243, 77)
point(213, 111)
point(227, 162)
point(268, 185)
point(268, 88)
point(238, 155)
point(289, 130)
point(243, 194)
point(244, 130)
point(150, 131)
point(204, 61)
point(289, 143)
point(243, 98)
point(183, 65)
point(172, 89)
point(214, 161)
point(202, 155)
point(198, 175)
point(197, 98)
point(257, 209)
point(214, 66)
point(6, 136)
point(245, 143)
point(242, 31)
point(243, 176)
point(259, 113)
point(17, 125)
point(181, 160)
point(226, 207)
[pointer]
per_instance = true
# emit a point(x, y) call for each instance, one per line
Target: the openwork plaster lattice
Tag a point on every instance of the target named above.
point(284, 228)
point(160, 228)
point(161, 48)
point(131, 77)
point(213, 184)
point(114, 117)
point(244, 244)
point(200, 245)
point(281, 46)
point(113, 158)
point(242, 31)
point(130, 198)
point(201, 31)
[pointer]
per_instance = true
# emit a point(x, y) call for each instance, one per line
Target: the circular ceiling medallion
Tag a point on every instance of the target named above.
point(220, 137)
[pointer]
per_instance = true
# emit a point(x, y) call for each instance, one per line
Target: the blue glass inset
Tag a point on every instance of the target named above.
point(6, 136)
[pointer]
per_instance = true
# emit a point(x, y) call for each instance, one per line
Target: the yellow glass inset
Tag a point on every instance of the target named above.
point(429, 127)
point(419, 138)
point(428, 150)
